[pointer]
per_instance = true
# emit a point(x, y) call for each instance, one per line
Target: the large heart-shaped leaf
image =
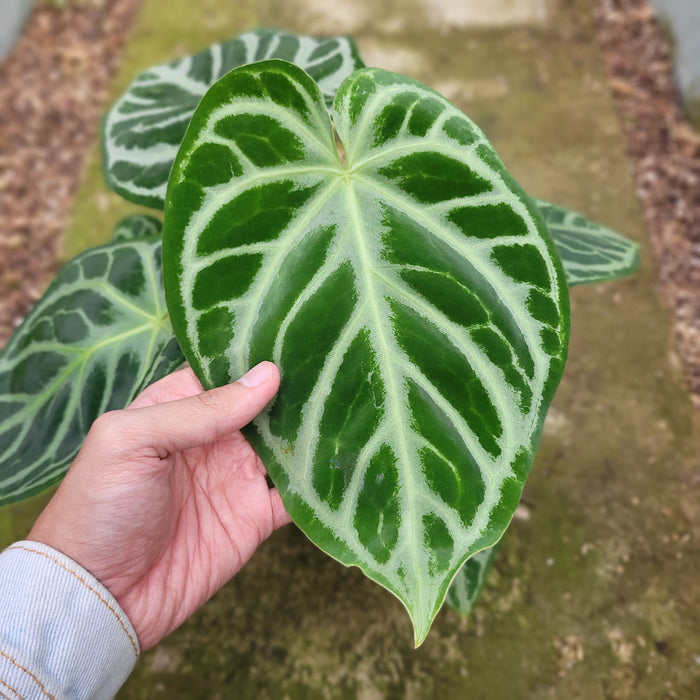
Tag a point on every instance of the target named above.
point(411, 298)
point(143, 130)
point(98, 336)
point(589, 252)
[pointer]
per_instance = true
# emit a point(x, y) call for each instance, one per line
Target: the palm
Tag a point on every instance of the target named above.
point(222, 513)
point(188, 519)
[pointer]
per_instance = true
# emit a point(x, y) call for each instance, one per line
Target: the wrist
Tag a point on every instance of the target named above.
point(56, 621)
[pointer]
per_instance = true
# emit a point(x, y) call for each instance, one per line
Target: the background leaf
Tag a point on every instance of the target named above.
point(589, 252)
point(143, 130)
point(416, 310)
point(469, 582)
point(136, 226)
point(98, 336)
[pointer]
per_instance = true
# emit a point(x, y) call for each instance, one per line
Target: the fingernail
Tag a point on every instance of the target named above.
point(256, 376)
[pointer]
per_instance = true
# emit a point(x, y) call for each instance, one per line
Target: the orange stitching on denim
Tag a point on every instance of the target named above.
point(29, 673)
point(87, 585)
point(14, 692)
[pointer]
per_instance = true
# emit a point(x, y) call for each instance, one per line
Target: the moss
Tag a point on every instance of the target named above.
point(16, 520)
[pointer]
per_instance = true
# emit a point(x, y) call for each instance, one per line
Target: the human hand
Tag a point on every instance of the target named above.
point(167, 500)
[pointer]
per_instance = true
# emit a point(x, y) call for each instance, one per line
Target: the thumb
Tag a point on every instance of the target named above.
point(203, 418)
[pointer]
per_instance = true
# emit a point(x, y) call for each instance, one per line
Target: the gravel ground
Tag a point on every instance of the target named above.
point(54, 84)
point(665, 152)
point(53, 87)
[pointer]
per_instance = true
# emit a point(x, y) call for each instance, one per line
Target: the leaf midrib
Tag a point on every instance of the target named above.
point(392, 382)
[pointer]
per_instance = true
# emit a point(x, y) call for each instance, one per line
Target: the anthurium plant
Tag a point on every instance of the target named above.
point(356, 228)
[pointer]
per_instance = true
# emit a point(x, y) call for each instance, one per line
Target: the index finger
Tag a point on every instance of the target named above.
point(202, 418)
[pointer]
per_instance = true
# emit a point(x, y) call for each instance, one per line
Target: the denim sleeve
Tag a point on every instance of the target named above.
point(62, 634)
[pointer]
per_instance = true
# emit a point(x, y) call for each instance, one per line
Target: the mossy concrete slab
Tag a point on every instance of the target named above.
point(594, 591)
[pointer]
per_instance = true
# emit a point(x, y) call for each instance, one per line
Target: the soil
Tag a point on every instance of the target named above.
point(54, 84)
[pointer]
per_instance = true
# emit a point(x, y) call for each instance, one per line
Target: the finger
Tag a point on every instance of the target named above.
point(177, 385)
point(261, 467)
point(203, 418)
point(280, 517)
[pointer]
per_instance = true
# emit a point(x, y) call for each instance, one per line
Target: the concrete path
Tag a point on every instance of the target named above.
point(592, 592)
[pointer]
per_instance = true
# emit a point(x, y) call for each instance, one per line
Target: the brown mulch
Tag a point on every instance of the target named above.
point(54, 84)
point(665, 152)
point(53, 88)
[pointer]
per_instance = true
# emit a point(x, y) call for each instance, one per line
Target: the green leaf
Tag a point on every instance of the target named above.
point(469, 582)
point(143, 130)
point(136, 226)
point(411, 298)
point(98, 336)
point(588, 251)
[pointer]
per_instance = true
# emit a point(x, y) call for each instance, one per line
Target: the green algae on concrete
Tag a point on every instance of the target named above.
point(593, 593)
